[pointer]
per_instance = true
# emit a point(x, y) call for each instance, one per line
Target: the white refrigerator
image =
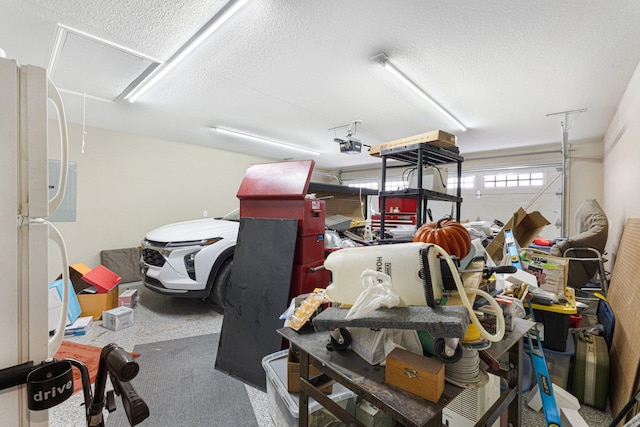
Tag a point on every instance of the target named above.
point(25, 94)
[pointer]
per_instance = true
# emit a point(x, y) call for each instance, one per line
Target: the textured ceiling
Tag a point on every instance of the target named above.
point(291, 69)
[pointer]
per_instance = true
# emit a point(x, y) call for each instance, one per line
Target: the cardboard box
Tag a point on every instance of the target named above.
point(94, 304)
point(436, 138)
point(415, 373)
point(79, 327)
point(117, 318)
point(293, 374)
point(96, 289)
point(434, 178)
point(552, 272)
point(525, 226)
point(128, 298)
point(102, 279)
point(76, 271)
point(55, 305)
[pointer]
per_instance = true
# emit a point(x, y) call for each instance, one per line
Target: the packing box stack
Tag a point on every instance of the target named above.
point(96, 289)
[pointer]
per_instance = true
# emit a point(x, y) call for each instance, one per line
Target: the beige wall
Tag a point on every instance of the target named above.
point(128, 185)
point(585, 174)
point(621, 164)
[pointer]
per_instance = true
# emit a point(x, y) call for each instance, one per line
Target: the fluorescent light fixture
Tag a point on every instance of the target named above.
point(209, 28)
point(265, 140)
point(73, 65)
point(62, 34)
point(383, 59)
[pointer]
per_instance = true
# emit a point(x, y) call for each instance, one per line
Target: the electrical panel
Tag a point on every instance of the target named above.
point(66, 212)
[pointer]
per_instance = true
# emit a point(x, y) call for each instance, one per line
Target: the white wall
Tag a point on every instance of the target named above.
point(128, 185)
point(621, 167)
point(585, 173)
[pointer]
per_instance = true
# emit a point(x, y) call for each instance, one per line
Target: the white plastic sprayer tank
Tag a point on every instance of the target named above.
point(400, 261)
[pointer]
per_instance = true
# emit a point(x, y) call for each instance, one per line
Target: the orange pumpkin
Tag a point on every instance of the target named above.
point(446, 233)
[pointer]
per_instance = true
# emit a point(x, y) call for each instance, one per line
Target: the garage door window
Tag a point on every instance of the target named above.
point(533, 179)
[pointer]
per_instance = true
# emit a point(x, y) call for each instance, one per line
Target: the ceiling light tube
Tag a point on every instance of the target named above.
point(57, 48)
point(209, 28)
point(383, 59)
point(265, 140)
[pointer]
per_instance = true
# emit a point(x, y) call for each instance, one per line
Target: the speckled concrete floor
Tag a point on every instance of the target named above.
point(156, 318)
point(593, 417)
point(160, 318)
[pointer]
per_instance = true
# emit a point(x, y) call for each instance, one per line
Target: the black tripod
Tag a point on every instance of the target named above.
point(51, 383)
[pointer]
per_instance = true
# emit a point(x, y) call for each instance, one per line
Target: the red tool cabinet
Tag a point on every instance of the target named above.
point(278, 190)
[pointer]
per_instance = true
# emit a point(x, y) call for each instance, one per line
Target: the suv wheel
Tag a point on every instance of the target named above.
point(221, 283)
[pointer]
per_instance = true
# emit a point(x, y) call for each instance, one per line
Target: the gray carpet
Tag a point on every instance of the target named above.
point(178, 382)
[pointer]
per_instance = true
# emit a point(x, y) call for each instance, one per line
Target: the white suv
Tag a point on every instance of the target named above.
point(191, 259)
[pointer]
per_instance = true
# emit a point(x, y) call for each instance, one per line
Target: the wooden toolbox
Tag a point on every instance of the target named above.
point(417, 374)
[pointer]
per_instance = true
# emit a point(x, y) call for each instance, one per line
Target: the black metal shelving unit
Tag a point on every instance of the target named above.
point(419, 155)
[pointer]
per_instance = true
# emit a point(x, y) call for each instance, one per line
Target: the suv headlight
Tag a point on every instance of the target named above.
point(190, 258)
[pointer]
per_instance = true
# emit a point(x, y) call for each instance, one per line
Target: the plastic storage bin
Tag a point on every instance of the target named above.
point(283, 406)
point(558, 362)
point(555, 329)
point(555, 321)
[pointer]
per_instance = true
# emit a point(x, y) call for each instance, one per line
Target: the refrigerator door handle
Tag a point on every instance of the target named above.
point(56, 339)
point(54, 97)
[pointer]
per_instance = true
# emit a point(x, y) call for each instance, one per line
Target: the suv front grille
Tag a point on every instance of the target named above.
point(153, 282)
point(152, 257)
point(154, 243)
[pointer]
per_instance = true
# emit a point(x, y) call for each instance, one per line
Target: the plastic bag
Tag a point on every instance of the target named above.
point(374, 346)
point(377, 293)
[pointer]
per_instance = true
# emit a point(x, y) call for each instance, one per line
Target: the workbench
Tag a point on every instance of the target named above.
point(367, 381)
